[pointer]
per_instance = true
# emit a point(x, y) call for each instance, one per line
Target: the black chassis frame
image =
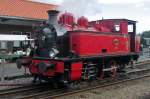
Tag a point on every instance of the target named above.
point(121, 59)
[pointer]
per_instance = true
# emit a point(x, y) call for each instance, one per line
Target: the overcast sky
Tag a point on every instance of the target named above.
point(138, 10)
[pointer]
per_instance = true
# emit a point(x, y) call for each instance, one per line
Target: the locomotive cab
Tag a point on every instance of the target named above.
point(121, 26)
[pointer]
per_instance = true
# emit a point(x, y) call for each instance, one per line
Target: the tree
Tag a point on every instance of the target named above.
point(145, 34)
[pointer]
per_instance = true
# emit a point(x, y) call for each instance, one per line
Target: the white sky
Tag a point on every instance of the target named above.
point(138, 10)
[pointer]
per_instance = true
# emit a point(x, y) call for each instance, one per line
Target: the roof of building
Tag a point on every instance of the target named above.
point(25, 9)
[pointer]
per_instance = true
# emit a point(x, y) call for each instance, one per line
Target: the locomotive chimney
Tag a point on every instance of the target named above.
point(52, 17)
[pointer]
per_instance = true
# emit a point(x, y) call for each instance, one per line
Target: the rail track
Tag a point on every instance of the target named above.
point(43, 92)
point(22, 90)
point(63, 92)
point(92, 88)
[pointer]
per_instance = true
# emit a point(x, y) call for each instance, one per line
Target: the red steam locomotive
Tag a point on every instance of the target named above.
point(66, 51)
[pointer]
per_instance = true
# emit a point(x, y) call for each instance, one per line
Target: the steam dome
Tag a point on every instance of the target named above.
point(83, 22)
point(66, 18)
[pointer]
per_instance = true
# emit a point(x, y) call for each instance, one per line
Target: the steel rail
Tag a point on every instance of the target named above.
point(38, 95)
point(63, 92)
point(92, 88)
point(21, 89)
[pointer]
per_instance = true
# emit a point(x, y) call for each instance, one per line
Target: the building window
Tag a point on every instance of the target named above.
point(3, 45)
point(16, 44)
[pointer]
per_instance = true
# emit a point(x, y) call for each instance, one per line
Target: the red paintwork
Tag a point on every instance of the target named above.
point(66, 19)
point(124, 27)
point(76, 71)
point(137, 44)
point(85, 44)
point(60, 67)
point(49, 73)
point(102, 28)
point(33, 67)
point(83, 22)
point(109, 24)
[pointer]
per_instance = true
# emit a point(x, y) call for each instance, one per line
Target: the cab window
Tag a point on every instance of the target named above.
point(117, 27)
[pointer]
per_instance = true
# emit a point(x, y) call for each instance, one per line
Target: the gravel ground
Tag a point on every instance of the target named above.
point(139, 89)
point(15, 83)
point(11, 70)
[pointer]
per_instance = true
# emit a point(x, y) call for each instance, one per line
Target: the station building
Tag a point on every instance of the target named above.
point(17, 18)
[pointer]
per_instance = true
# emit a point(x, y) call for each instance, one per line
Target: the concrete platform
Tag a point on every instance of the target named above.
point(11, 76)
point(11, 70)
